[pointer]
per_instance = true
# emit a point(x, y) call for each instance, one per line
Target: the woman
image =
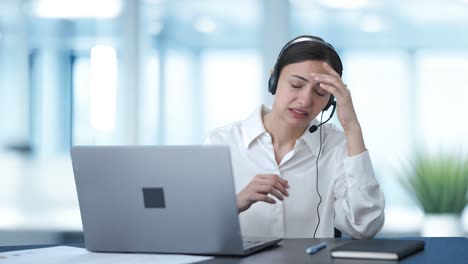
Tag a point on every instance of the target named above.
point(294, 183)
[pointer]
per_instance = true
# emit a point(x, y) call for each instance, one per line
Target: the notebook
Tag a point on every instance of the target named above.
point(388, 249)
point(160, 199)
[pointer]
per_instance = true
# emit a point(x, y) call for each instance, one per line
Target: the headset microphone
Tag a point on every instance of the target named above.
point(314, 128)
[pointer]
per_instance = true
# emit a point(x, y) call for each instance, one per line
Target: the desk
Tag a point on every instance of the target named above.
point(450, 250)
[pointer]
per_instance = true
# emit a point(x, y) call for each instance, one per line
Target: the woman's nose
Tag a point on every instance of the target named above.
point(305, 97)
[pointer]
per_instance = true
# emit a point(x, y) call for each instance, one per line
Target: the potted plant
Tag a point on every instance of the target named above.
point(439, 185)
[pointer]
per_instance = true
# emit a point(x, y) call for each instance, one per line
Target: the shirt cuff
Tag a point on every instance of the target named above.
point(359, 170)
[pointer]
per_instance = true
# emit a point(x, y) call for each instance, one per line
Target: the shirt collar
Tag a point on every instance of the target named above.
point(252, 127)
point(313, 139)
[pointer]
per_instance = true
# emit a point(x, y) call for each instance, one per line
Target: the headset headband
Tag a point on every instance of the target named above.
point(304, 39)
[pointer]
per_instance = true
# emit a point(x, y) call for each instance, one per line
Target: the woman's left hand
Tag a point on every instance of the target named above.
point(333, 84)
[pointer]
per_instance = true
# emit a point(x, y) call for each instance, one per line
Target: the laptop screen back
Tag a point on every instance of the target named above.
point(168, 199)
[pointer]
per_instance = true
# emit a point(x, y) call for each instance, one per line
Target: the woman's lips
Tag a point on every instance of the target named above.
point(298, 113)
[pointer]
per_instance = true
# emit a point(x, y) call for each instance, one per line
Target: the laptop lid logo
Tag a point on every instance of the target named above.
point(154, 198)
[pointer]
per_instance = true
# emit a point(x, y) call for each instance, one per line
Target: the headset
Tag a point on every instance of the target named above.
point(274, 77)
point(272, 86)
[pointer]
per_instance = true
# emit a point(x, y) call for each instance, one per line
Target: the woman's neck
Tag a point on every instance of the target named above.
point(281, 133)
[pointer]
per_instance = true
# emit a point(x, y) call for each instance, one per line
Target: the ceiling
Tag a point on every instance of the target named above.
point(354, 24)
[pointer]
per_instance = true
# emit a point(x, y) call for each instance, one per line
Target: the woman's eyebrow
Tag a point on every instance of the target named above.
point(300, 77)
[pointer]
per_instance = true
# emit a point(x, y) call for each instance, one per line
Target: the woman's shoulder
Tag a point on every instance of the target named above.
point(233, 132)
point(224, 133)
point(333, 135)
point(334, 130)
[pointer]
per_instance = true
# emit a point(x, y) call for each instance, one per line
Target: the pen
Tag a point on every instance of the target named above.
point(314, 249)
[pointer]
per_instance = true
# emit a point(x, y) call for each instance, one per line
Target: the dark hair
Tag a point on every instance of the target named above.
point(308, 50)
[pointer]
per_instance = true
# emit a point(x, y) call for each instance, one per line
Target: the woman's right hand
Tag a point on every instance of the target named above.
point(259, 188)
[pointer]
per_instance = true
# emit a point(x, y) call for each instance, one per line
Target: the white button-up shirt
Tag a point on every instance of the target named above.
point(351, 197)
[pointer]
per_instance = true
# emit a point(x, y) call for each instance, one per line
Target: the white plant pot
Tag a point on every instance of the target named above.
point(442, 225)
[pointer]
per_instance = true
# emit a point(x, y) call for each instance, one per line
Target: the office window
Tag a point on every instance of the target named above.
point(14, 92)
point(103, 78)
point(81, 132)
point(442, 97)
point(94, 96)
point(149, 115)
point(380, 88)
point(232, 83)
point(179, 109)
point(50, 101)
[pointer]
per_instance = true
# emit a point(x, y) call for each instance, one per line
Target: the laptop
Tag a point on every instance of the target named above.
point(160, 199)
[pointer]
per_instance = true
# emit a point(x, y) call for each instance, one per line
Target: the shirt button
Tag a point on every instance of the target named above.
point(278, 209)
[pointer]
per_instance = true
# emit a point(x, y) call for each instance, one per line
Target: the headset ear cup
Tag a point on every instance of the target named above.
point(273, 82)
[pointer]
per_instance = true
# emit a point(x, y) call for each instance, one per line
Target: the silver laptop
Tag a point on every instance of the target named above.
point(161, 199)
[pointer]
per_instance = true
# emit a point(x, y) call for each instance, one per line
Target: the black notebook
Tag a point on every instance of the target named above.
point(378, 249)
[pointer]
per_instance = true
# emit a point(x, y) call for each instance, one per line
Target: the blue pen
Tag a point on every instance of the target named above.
point(314, 249)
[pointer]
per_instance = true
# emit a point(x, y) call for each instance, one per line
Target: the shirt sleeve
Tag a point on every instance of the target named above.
point(213, 138)
point(208, 141)
point(360, 203)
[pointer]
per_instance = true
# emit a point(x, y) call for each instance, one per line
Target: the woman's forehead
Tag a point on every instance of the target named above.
point(305, 67)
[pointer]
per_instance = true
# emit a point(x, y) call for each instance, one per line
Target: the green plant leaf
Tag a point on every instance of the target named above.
point(439, 184)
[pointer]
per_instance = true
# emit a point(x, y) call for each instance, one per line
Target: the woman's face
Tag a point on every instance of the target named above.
point(299, 98)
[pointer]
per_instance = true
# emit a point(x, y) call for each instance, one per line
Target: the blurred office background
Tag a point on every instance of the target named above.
point(108, 72)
